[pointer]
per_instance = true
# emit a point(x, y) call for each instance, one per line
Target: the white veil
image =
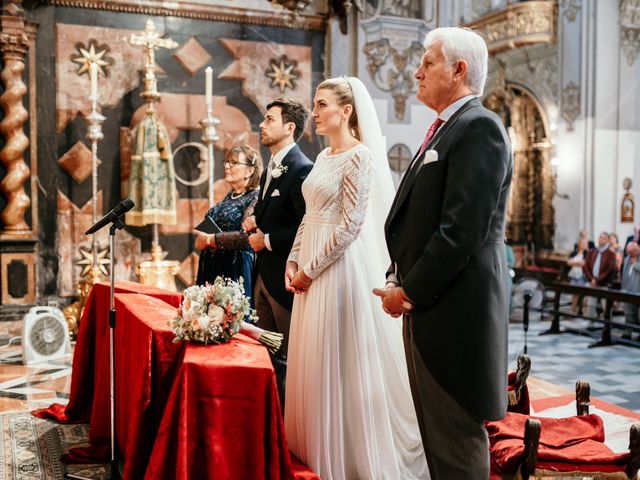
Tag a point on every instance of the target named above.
point(382, 190)
point(409, 452)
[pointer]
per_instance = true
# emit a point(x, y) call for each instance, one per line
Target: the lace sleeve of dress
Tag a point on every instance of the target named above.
point(356, 184)
point(295, 250)
point(237, 240)
point(251, 207)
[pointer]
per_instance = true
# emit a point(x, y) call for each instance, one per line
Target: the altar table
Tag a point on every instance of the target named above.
point(183, 411)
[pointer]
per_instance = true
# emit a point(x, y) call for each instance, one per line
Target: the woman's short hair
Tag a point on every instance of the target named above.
point(252, 159)
point(463, 44)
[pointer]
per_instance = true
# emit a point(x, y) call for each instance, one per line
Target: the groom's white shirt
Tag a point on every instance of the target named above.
point(277, 159)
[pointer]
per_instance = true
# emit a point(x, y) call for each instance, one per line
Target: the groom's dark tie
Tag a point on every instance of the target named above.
point(437, 123)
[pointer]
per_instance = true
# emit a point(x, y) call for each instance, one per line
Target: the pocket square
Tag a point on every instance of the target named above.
point(430, 156)
point(275, 193)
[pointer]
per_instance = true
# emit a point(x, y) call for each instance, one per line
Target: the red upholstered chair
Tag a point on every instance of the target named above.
point(524, 447)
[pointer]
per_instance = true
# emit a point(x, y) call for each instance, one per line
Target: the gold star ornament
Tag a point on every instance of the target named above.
point(86, 262)
point(283, 73)
point(92, 53)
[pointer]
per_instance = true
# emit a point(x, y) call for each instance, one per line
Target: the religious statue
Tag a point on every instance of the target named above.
point(152, 181)
point(628, 205)
point(152, 185)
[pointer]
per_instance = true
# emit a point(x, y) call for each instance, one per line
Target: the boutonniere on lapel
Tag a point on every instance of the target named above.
point(430, 156)
point(279, 171)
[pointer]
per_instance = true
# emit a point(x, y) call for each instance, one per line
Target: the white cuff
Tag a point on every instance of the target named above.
point(267, 243)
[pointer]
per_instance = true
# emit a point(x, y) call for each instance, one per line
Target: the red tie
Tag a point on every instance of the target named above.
point(437, 123)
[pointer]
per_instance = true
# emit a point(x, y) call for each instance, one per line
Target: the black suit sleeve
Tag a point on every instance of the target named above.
point(281, 240)
point(477, 167)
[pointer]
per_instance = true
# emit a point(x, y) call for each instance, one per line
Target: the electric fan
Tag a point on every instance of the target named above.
point(45, 335)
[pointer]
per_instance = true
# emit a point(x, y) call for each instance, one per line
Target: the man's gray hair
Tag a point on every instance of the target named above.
point(463, 44)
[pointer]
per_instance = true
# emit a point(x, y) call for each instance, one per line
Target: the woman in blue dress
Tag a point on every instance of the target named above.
point(229, 254)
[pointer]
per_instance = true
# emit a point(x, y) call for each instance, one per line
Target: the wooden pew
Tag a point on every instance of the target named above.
point(610, 295)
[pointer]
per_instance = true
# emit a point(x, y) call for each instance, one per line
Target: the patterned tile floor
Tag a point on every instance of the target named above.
point(613, 372)
point(557, 362)
point(24, 388)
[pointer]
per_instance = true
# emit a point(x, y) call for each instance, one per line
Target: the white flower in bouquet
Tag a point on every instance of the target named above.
point(212, 313)
point(215, 313)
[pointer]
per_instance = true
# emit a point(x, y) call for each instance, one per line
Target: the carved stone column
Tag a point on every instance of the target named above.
point(17, 242)
point(14, 44)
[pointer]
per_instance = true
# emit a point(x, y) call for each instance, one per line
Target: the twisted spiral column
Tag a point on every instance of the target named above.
point(12, 129)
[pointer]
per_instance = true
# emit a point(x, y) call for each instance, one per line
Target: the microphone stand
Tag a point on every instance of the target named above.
point(116, 225)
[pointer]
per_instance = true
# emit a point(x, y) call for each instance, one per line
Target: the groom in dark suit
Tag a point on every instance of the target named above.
point(445, 235)
point(275, 221)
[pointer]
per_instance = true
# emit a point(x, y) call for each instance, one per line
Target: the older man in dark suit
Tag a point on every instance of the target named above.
point(445, 235)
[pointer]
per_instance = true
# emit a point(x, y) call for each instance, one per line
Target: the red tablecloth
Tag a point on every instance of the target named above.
point(89, 394)
point(183, 411)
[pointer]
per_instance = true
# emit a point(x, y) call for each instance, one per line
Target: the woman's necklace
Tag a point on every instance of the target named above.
point(235, 197)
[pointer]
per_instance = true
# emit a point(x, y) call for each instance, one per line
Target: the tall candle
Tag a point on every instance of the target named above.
point(208, 86)
point(93, 71)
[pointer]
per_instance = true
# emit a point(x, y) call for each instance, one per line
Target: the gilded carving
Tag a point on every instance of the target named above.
point(392, 70)
point(519, 24)
point(630, 29)
point(570, 104)
point(201, 11)
point(530, 212)
point(14, 43)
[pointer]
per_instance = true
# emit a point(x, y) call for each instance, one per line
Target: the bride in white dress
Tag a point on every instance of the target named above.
point(349, 413)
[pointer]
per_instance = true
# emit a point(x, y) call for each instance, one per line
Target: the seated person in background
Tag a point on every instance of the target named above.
point(599, 267)
point(631, 283)
point(576, 275)
point(228, 253)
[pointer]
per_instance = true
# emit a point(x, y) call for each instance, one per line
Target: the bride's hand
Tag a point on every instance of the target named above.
point(289, 272)
point(300, 282)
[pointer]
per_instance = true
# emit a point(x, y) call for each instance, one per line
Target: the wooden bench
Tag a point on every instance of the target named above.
point(610, 295)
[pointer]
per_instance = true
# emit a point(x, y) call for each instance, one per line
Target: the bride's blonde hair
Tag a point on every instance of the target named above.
point(340, 87)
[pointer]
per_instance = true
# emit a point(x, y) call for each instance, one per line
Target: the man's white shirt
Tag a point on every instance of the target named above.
point(277, 159)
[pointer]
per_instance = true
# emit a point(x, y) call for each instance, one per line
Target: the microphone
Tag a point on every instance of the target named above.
point(123, 207)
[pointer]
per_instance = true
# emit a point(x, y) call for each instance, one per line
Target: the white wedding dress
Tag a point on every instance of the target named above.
point(349, 414)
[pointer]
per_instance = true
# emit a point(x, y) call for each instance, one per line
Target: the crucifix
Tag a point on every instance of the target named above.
point(151, 40)
point(399, 158)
